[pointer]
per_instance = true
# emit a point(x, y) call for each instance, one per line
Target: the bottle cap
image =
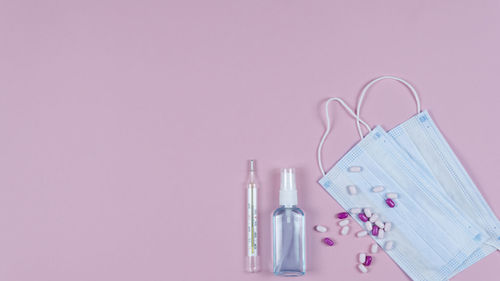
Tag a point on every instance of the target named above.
point(288, 189)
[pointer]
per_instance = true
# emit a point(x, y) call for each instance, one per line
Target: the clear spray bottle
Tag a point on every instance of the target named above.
point(288, 223)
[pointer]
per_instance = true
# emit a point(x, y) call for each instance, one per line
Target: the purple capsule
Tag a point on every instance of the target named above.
point(328, 241)
point(368, 260)
point(363, 217)
point(390, 203)
point(375, 230)
point(342, 215)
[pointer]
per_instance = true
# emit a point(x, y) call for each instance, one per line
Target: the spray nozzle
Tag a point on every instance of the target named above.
point(288, 190)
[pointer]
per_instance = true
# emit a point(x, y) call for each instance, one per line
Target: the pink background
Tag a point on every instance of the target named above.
point(126, 125)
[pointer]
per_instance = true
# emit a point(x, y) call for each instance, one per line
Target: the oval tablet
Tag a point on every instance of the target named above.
point(354, 169)
point(374, 248)
point(353, 190)
point(344, 230)
point(375, 230)
point(362, 233)
point(362, 258)
point(362, 217)
point(380, 224)
point(367, 212)
point(378, 188)
point(374, 218)
point(368, 226)
point(343, 222)
point(387, 226)
point(392, 195)
point(390, 203)
point(362, 268)
point(342, 215)
point(328, 241)
point(320, 228)
point(368, 261)
point(388, 245)
point(381, 234)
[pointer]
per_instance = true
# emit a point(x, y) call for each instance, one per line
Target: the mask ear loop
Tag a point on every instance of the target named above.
point(365, 89)
point(327, 131)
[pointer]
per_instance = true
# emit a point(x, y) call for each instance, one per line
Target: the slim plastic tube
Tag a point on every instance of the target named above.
point(252, 261)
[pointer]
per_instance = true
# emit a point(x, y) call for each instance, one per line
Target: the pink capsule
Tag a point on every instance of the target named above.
point(328, 241)
point(368, 260)
point(363, 217)
point(390, 203)
point(342, 215)
point(375, 230)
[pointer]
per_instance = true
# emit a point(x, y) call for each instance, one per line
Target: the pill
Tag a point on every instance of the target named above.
point(345, 230)
point(387, 226)
point(342, 215)
point(378, 188)
point(374, 248)
point(374, 218)
point(368, 260)
point(355, 210)
point(320, 228)
point(380, 224)
point(354, 169)
point(390, 203)
point(392, 195)
point(367, 212)
point(362, 257)
point(368, 226)
point(328, 241)
point(352, 189)
point(343, 222)
point(388, 245)
point(362, 233)
point(363, 217)
point(381, 234)
point(362, 268)
point(375, 230)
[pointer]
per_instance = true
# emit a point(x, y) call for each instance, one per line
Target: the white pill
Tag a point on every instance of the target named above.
point(355, 210)
point(368, 226)
point(392, 195)
point(343, 222)
point(345, 230)
point(362, 258)
point(388, 245)
point(380, 224)
point(320, 228)
point(362, 233)
point(381, 234)
point(387, 226)
point(378, 188)
point(374, 248)
point(367, 212)
point(373, 218)
point(362, 268)
point(354, 169)
point(353, 190)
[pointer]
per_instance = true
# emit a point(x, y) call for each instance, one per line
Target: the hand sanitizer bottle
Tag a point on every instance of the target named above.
point(288, 230)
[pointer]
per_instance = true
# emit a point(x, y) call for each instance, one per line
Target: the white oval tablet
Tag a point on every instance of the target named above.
point(367, 212)
point(381, 234)
point(345, 230)
point(362, 257)
point(374, 248)
point(387, 226)
point(392, 195)
point(343, 222)
point(320, 228)
point(362, 268)
point(368, 226)
point(355, 211)
point(354, 169)
point(380, 224)
point(378, 188)
point(362, 233)
point(353, 190)
point(374, 218)
point(389, 245)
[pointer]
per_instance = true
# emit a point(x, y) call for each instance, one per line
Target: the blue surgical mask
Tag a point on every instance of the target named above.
point(420, 138)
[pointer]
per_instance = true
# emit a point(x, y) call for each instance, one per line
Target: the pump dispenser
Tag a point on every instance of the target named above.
point(288, 230)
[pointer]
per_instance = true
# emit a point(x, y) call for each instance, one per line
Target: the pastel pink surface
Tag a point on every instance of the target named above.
point(126, 126)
